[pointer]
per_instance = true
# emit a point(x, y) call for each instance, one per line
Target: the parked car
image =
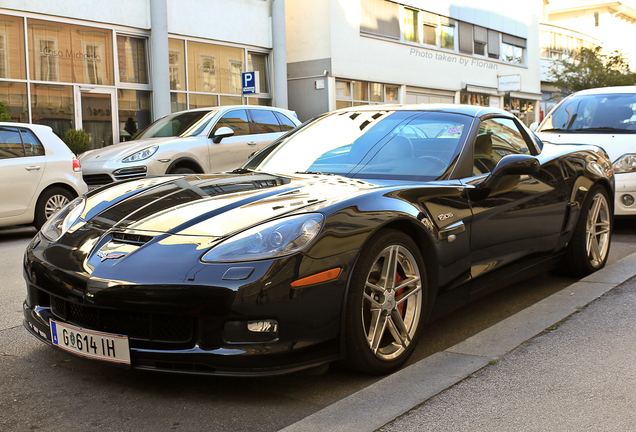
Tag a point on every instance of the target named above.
point(338, 241)
point(38, 174)
point(195, 141)
point(604, 117)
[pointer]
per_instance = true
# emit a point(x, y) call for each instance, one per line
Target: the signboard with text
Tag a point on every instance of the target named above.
point(251, 82)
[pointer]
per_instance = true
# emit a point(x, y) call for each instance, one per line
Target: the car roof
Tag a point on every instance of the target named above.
point(32, 126)
point(606, 90)
point(229, 107)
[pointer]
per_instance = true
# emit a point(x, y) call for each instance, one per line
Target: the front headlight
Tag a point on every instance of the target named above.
point(141, 155)
point(60, 222)
point(273, 239)
point(625, 164)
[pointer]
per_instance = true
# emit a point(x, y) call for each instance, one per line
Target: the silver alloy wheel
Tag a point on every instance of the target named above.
point(392, 302)
point(597, 230)
point(54, 203)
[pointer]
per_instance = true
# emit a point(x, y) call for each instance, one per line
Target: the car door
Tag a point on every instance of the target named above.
point(21, 170)
point(519, 222)
point(264, 126)
point(231, 152)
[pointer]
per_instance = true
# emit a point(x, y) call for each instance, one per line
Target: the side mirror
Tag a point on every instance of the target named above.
point(516, 164)
point(534, 126)
point(222, 132)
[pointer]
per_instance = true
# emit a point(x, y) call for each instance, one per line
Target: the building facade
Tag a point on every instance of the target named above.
point(352, 52)
point(84, 64)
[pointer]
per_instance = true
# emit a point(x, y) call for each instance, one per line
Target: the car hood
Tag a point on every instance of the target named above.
point(616, 145)
point(214, 205)
point(117, 152)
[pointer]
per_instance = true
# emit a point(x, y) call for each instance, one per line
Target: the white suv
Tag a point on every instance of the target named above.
point(38, 174)
point(196, 141)
point(604, 117)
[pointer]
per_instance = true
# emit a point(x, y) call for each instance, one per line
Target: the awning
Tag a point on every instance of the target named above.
point(525, 95)
point(482, 90)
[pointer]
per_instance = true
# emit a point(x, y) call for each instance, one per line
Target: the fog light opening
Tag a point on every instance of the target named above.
point(264, 326)
point(627, 200)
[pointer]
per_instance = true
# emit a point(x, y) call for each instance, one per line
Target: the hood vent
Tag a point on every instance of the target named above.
point(134, 239)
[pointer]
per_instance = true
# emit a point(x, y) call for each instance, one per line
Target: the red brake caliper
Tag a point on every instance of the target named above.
point(399, 292)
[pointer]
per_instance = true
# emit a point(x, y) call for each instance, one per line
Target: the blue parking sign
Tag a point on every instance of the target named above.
point(251, 84)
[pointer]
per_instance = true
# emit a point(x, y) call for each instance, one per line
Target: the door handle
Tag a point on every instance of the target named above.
point(251, 143)
point(32, 168)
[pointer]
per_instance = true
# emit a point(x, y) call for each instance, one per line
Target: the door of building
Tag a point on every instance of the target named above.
point(96, 115)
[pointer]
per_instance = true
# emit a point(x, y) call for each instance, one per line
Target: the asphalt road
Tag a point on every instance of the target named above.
point(48, 389)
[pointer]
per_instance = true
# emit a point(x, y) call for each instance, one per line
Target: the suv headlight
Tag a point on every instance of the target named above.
point(273, 239)
point(60, 222)
point(625, 164)
point(141, 155)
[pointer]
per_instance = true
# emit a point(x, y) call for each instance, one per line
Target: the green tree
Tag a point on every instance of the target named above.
point(591, 69)
point(5, 116)
point(77, 140)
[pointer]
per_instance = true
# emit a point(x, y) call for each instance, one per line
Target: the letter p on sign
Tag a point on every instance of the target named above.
point(251, 84)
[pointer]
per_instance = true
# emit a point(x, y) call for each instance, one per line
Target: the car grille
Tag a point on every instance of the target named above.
point(97, 179)
point(130, 173)
point(130, 238)
point(149, 327)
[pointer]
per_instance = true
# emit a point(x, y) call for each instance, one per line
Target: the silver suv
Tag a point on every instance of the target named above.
point(195, 141)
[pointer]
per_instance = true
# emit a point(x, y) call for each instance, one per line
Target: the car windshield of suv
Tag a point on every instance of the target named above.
point(181, 124)
point(612, 113)
point(404, 145)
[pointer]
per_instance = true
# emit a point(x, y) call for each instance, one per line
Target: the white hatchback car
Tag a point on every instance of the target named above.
point(604, 117)
point(38, 174)
point(195, 141)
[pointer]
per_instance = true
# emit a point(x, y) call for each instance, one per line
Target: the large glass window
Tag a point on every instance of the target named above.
point(12, 56)
point(176, 62)
point(52, 105)
point(258, 62)
point(70, 53)
point(133, 63)
point(354, 93)
point(14, 96)
point(214, 68)
point(134, 112)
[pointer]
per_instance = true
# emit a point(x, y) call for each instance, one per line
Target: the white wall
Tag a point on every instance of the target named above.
point(240, 21)
point(131, 13)
point(308, 30)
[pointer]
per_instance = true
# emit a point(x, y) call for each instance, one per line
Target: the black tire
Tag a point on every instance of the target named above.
point(49, 202)
point(182, 170)
point(376, 302)
point(589, 248)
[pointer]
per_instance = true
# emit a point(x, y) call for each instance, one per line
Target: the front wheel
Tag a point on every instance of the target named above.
point(385, 304)
point(589, 248)
point(182, 170)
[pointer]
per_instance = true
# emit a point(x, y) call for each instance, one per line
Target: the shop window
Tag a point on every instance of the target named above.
point(391, 93)
point(12, 55)
point(343, 89)
point(178, 102)
point(380, 17)
point(14, 96)
point(214, 68)
point(134, 112)
point(230, 100)
point(258, 62)
point(360, 90)
point(70, 53)
point(52, 105)
point(203, 101)
point(133, 59)
point(259, 101)
point(176, 63)
point(355, 93)
point(376, 92)
point(468, 98)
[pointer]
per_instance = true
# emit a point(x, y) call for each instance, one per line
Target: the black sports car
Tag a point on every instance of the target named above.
point(339, 241)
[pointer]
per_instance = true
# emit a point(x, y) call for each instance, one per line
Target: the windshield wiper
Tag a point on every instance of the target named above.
point(554, 130)
point(313, 172)
point(603, 129)
point(241, 171)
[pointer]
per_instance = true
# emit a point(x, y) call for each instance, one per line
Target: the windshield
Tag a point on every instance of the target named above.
point(181, 124)
point(404, 145)
point(593, 114)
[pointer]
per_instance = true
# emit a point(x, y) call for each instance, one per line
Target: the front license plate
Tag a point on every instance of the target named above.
point(90, 343)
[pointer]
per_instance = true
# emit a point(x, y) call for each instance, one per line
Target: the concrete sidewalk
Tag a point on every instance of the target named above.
point(580, 372)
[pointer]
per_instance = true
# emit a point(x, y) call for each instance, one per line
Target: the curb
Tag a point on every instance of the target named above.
point(378, 404)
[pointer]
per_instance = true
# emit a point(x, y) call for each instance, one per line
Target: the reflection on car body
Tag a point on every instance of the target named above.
point(338, 241)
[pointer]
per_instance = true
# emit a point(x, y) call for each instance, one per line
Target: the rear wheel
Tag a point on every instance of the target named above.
point(49, 202)
point(385, 304)
point(589, 248)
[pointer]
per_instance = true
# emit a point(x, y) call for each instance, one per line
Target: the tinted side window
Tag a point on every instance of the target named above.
point(497, 137)
point(263, 121)
point(236, 120)
point(285, 123)
point(32, 144)
point(10, 143)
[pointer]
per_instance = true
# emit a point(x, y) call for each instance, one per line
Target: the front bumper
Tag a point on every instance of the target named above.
point(174, 327)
